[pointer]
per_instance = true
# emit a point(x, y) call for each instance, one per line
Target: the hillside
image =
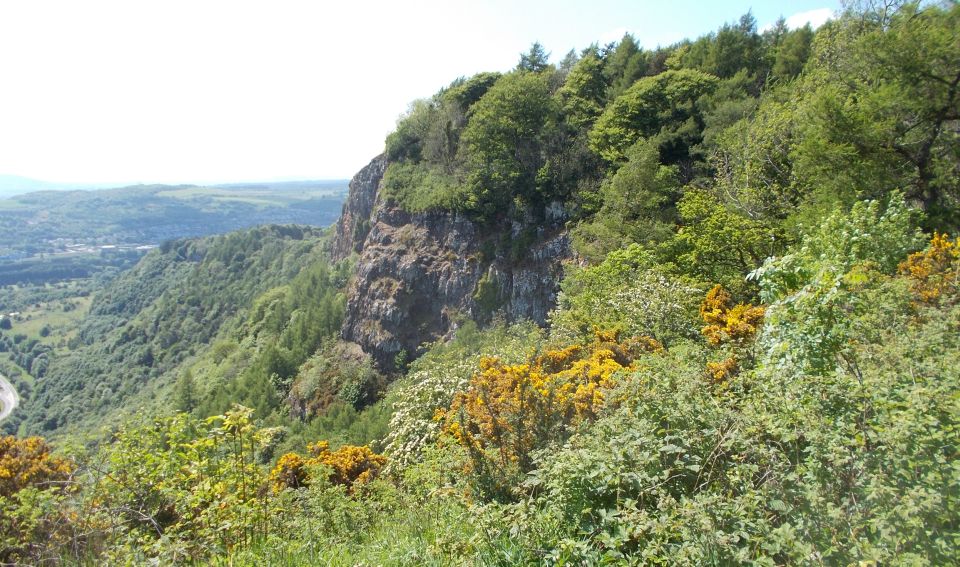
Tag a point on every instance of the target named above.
point(685, 306)
point(143, 326)
point(58, 235)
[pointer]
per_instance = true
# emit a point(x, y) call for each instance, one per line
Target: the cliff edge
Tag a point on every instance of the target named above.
point(419, 275)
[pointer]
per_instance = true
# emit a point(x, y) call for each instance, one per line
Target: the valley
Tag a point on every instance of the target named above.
point(50, 236)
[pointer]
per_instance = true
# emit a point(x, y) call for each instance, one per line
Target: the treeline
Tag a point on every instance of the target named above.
point(739, 137)
point(498, 145)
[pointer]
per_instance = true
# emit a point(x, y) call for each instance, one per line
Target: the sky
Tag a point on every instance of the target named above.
point(207, 91)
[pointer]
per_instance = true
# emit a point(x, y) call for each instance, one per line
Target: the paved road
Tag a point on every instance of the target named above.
point(8, 398)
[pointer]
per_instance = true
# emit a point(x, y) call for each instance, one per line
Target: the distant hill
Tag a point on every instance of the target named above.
point(41, 220)
point(11, 185)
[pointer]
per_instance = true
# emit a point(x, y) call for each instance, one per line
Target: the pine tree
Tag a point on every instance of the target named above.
point(185, 393)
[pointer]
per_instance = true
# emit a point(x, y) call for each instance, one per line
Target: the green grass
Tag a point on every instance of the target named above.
point(10, 369)
point(260, 197)
point(62, 324)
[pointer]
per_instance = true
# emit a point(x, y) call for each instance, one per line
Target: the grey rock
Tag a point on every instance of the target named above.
point(418, 273)
point(354, 222)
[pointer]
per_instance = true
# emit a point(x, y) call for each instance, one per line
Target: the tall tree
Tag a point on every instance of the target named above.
point(185, 392)
point(885, 109)
point(503, 142)
point(583, 94)
point(535, 60)
point(665, 106)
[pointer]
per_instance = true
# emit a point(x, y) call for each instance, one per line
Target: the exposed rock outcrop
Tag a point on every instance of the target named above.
point(420, 274)
point(354, 222)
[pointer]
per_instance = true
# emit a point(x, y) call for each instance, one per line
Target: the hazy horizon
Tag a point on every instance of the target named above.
point(13, 185)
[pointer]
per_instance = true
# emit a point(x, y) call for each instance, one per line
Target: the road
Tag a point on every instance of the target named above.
point(8, 398)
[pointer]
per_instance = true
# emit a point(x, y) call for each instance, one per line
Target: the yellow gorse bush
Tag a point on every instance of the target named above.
point(508, 410)
point(29, 462)
point(734, 325)
point(347, 465)
point(33, 491)
point(726, 322)
point(934, 272)
point(721, 371)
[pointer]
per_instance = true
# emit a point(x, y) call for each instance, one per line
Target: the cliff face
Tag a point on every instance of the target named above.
point(419, 274)
point(354, 222)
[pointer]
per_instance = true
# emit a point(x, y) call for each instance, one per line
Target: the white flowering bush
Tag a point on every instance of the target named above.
point(629, 292)
point(811, 291)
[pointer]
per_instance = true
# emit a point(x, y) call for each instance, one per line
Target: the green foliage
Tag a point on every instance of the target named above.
point(335, 372)
point(626, 291)
point(878, 119)
point(638, 205)
point(718, 245)
point(663, 107)
point(535, 60)
point(185, 393)
point(502, 143)
point(488, 295)
point(753, 161)
point(732, 49)
point(811, 291)
point(483, 146)
point(406, 142)
point(624, 64)
point(781, 467)
point(872, 232)
point(150, 321)
point(417, 187)
point(583, 94)
point(430, 130)
point(175, 490)
point(789, 49)
point(879, 436)
point(285, 327)
point(827, 435)
point(434, 378)
point(507, 412)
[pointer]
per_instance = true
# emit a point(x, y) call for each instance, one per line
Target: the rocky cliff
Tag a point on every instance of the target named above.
point(354, 222)
point(420, 274)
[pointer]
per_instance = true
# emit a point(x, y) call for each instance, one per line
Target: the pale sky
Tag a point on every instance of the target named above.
point(203, 91)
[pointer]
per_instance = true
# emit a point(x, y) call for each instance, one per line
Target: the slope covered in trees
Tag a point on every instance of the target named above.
point(149, 321)
point(757, 360)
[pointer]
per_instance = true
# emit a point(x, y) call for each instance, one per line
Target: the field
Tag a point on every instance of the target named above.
point(279, 195)
point(52, 323)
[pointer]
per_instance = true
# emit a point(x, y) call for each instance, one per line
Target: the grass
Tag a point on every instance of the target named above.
point(402, 531)
point(61, 323)
point(10, 369)
point(259, 197)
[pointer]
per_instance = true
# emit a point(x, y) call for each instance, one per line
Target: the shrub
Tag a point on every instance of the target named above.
point(345, 466)
point(507, 411)
point(934, 272)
